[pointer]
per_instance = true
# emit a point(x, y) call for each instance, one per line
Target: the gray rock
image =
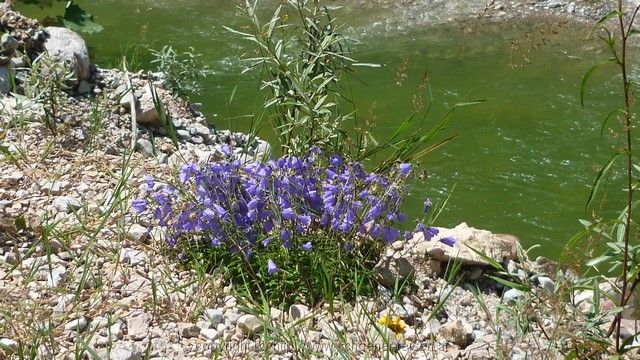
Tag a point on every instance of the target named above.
point(406, 311)
point(138, 326)
point(5, 80)
point(431, 329)
point(66, 204)
point(123, 352)
point(249, 324)
point(137, 233)
point(209, 334)
point(145, 146)
point(512, 295)
point(56, 277)
point(9, 43)
point(233, 317)
point(148, 114)
point(133, 257)
point(67, 45)
point(458, 332)
point(215, 316)
point(77, 324)
point(298, 311)
point(84, 87)
point(546, 283)
point(188, 330)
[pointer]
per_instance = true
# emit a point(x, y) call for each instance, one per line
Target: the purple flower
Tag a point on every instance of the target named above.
point(226, 150)
point(271, 267)
point(389, 235)
point(404, 169)
point(449, 240)
point(288, 214)
point(307, 246)
point(186, 171)
point(305, 220)
point(139, 205)
point(335, 160)
point(408, 235)
point(215, 242)
point(266, 241)
point(426, 205)
point(149, 183)
point(285, 235)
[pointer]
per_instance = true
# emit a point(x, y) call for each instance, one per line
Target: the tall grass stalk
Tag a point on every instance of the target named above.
point(622, 256)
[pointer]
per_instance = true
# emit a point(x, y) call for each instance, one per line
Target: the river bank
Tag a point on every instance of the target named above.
point(82, 277)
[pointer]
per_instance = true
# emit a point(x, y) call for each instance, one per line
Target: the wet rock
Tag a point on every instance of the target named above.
point(66, 45)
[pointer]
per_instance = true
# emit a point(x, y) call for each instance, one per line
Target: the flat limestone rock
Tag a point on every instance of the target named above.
point(496, 246)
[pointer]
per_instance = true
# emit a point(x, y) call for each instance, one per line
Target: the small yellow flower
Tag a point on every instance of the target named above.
point(394, 323)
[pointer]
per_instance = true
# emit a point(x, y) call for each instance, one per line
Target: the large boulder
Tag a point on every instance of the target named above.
point(67, 45)
point(499, 247)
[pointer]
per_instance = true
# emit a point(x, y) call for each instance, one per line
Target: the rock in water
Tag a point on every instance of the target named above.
point(67, 45)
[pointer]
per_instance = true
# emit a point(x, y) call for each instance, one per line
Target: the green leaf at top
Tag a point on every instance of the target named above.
point(79, 20)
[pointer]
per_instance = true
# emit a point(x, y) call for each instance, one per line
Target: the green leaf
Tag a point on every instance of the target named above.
point(493, 262)
point(598, 182)
point(20, 223)
point(510, 284)
point(598, 260)
point(75, 18)
point(605, 18)
point(609, 116)
point(588, 74)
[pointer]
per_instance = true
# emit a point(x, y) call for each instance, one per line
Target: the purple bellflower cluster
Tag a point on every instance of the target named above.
point(290, 202)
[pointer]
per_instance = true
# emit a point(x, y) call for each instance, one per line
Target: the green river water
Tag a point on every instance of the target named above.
point(523, 162)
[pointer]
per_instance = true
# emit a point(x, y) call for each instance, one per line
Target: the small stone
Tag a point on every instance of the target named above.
point(138, 233)
point(188, 330)
point(123, 352)
point(511, 295)
point(9, 344)
point(138, 326)
point(431, 329)
point(298, 311)
point(56, 277)
point(209, 334)
point(233, 317)
point(15, 177)
point(458, 332)
point(77, 324)
point(215, 316)
point(66, 204)
point(9, 43)
point(146, 147)
point(249, 324)
point(546, 283)
point(406, 311)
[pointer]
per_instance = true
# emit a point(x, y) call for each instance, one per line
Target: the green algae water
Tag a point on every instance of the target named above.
point(522, 163)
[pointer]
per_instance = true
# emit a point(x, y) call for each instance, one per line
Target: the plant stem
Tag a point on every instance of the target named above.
point(627, 117)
